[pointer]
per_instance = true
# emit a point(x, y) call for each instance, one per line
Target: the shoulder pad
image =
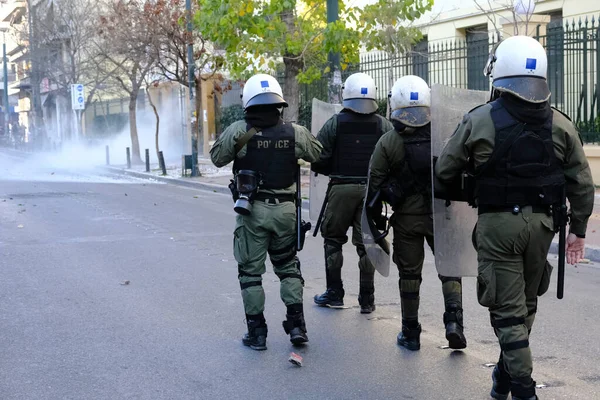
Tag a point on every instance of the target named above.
point(475, 108)
point(565, 115)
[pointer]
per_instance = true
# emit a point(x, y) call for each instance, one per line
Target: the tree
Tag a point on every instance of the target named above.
point(156, 115)
point(521, 12)
point(257, 35)
point(65, 52)
point(172, 61)
point(388, 27)
point(260, 34)
point(129, 32)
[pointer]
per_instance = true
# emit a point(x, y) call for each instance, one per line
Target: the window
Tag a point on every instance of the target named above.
point(420, 59)
point(478, 51)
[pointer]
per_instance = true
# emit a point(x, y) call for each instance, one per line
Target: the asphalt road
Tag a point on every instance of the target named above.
point(116, 288)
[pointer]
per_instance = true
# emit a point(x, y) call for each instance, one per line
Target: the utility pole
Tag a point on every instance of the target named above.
point(191, 84)
point(335, 82)
point(36, 115)
point(5, 99)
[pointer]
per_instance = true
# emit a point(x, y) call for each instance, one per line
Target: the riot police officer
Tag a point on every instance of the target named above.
point(400, 171)
point(348, 139)
point(524, 156)
point(265, 152)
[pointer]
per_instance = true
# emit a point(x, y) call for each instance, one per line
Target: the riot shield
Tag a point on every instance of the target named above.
point(321, 112)
point(453, 225)
point(378, 249)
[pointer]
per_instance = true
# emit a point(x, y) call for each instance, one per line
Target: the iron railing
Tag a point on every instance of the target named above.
point(573, 49)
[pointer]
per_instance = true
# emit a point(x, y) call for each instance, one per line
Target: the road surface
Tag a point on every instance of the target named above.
point(118, 288)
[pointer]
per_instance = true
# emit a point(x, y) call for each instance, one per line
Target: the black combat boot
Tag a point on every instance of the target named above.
point(256, 338)
point(334, 295)
point(331, 298)
point(367, 302)
point(453, 319)
point(296, 328)
point(523, 389)
point(500, 382)
point(366, 295)
point(410, 336)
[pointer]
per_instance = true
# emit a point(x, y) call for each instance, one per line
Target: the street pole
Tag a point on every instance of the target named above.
point(35, 112)
point(335, 82)
point(6, 106)
point(191, 84)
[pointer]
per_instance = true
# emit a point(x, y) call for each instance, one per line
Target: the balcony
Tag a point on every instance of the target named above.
point(10, 10)
point(23, 83)
point(11, 77)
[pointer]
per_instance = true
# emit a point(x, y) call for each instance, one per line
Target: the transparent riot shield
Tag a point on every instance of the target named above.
point(377, 247)
point(453, 224)
point(321, 112)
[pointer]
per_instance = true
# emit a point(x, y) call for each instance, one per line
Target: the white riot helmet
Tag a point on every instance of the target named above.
point(410, 101)
point(518, 65)
point(359, 94)
point(262, 89)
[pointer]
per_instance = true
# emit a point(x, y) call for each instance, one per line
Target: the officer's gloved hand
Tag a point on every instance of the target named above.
point(575, 249)
point(378, 217)
point(381, 222)
point(375, 211)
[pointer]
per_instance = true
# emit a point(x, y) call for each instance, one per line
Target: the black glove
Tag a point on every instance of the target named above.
point(233, 189)
point(375, 214)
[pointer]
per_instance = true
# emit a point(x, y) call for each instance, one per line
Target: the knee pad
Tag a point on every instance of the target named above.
point(446, 279)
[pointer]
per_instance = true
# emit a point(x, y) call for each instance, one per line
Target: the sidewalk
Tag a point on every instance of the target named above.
point(216, 180)
point(592, 240)
point(211, 178)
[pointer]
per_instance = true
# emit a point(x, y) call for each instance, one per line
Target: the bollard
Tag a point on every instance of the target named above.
point(161, 161)
point(147, 160)
point(107, 155)
point(128, 158)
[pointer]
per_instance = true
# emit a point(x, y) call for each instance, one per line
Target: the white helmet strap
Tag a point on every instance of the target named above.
point(489, 66)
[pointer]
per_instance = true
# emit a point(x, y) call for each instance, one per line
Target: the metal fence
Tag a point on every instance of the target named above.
point(573, 49)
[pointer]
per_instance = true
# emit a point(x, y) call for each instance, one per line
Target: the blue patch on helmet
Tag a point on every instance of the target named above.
point(264, 84)
point(531, 63)
point(414, 96)
point(364, 90)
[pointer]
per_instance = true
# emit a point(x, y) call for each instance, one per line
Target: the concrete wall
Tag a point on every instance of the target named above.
point(593, 156)
point(207, 116)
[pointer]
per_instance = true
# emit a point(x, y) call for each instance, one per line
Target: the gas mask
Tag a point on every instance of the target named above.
point(246, 182)
point(399, 126)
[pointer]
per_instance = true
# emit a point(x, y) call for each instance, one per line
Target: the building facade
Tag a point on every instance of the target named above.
point(456, 45)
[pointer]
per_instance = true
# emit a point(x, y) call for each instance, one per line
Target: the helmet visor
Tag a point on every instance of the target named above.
point(361, 106)
point(412, 116)
point(528, 88)
point(262, 99)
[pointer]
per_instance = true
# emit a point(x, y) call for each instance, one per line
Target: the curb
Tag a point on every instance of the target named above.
point(211, 187)
point(174, 181)
point(591, 253)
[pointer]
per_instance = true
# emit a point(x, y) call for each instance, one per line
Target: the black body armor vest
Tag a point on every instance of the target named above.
point(524, 171)
point(357, 135)
point(412, 175)
point(272, 153)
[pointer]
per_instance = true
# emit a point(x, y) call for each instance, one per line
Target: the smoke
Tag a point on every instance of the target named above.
point(91, 151)
point(172, 136)
point(77, 158)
